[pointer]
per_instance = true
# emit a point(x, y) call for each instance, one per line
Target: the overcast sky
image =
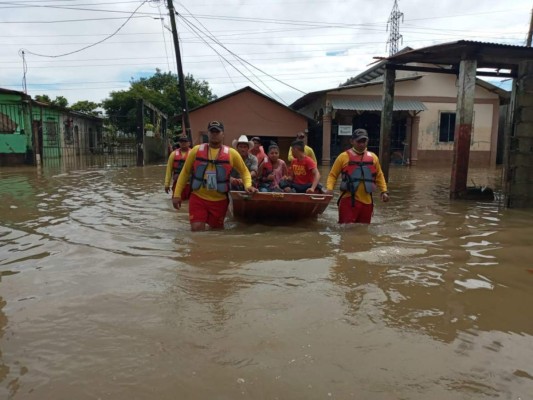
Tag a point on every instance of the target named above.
point(289, 47)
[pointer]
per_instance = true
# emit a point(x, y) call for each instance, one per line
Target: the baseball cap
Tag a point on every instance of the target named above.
point(359, 134)
point(255, 139)
point(215, 125)
point(183, 138)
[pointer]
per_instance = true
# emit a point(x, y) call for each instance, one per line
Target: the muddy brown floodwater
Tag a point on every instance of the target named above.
point(105, 294)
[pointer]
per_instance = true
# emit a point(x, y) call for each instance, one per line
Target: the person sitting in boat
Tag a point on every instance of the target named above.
point(361, 176)
point(208, 167)
point(302, 136)
point(303, 173)
point(258, 150)
point(175, 163)
point(272, 170)
point(243, 147)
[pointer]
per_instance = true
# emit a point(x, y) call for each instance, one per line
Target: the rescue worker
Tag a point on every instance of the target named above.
point(175, 163)
point(302, 136)
point(208, 167)
point(361, 176)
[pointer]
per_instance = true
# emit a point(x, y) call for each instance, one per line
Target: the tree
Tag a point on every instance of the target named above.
point(43, 98)
point(85, 106)
point(59, 101)
point(161, 90)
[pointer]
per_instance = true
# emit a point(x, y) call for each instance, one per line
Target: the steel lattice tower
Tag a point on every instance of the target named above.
point(394, 24)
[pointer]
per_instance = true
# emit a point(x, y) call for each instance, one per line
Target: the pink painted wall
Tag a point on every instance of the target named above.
point(250, 114)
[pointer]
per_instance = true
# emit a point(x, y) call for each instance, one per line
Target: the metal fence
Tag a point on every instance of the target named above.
point(116, 155)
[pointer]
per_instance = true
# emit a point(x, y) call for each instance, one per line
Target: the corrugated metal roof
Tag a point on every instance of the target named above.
point(376, 105)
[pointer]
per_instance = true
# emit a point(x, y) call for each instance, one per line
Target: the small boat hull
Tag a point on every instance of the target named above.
point(277, 206)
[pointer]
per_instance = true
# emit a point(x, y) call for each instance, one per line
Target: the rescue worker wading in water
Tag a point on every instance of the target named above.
point(208, 168)
point(175, 163)
point(361, 175)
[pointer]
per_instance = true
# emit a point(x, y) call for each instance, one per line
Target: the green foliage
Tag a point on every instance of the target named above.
point(59, 101)
point(161, 90)
point(85, 106)
point(43, 98)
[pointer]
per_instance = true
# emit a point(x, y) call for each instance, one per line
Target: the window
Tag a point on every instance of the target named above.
point(68, 131)
point(50, 129)
point(446, 127)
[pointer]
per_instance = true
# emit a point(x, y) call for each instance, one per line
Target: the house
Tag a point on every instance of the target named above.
point(423, 117)
point(31, 131)
point(15, 128)
point(249, 112)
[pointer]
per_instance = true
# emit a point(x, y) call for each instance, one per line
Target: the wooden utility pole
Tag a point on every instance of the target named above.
point(181, 77)
point(530, 32)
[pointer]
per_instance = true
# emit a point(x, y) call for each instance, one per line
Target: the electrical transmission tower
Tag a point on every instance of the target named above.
point(394, 24)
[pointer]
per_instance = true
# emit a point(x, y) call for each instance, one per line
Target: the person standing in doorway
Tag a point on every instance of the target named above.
point(175, 163)
point(361, 176)
point(208, 167)
point(308, 151)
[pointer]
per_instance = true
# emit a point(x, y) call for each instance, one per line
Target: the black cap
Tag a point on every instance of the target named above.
point(215, 125)
point(255, 139)
point(359, 134)
point(183, 138)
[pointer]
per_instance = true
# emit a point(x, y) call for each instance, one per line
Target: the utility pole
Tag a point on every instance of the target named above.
point(181, 77)
point(394, 23)
point(530, 33)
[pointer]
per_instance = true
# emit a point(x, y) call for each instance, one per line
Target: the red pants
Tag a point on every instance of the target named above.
point(207, 211)
point(359, 213)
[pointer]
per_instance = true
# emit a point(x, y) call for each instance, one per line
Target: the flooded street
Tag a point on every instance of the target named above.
point(105, 294)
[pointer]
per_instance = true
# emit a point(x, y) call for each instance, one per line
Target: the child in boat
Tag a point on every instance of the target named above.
point(303, 173)
point(272, 170)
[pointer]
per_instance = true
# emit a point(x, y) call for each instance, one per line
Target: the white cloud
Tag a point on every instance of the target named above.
point(309, 44)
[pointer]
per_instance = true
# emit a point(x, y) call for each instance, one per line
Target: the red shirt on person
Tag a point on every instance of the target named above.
point(302, 170)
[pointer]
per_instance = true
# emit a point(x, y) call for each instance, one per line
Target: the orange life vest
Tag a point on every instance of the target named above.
point(360, 169)
point(222, 168)
point(179, 161)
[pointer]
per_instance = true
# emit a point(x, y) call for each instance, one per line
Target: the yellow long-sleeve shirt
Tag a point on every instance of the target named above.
point(308, 151)
point(235, 161)
point(170, 167)
point(360, 194)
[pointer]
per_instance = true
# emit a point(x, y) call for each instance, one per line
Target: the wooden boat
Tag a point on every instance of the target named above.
point(277, 206)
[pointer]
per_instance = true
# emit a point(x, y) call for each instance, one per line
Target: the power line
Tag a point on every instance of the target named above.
point(253, 66)
point(94, 44)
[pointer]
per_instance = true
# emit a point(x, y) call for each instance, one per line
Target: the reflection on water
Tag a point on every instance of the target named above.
point(106, 294)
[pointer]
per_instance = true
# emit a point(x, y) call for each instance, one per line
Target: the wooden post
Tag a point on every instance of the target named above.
point(464, 117)
point(326, 139)
point(386, 120)
point(140, 133)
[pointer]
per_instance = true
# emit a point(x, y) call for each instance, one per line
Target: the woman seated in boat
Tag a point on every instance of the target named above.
point(303, 174)
point(272, 170)
point(243, 147)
